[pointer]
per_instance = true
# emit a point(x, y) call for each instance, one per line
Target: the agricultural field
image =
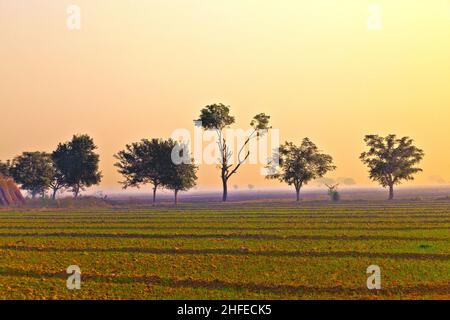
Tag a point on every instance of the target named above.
point(246, 250)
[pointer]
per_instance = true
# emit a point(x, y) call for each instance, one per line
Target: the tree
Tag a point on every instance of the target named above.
point(77, 163)
point(180, 177)
point(145, 162)
point(391, 160)
point(333, 192)
point(58, 181)
point(217, 117)
point(5, 168)
point(299, 164)
point(33, 171)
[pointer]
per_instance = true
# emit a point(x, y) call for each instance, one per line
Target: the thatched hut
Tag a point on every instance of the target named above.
point(10, 194)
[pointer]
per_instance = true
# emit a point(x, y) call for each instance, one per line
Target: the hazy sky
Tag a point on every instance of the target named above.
point(145, 68)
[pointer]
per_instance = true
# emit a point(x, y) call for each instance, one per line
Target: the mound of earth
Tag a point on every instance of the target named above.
point(10, 194)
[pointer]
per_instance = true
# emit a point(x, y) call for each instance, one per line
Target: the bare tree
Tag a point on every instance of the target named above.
point(333, 192)
point(217, 117)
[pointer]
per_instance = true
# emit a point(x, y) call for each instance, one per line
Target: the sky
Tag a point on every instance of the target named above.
point(141, 69)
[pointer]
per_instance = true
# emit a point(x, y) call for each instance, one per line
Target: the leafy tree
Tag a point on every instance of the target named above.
point(58, 181)
point(5, 168)
point(180, 177)
point(217, 117)
point(33, 171)
point(391, 160)
point(77, 164)
point(299, 164)
point(147, 161)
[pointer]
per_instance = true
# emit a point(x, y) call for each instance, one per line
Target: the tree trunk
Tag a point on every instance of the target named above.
point(176, 197)
point(54, 194)
point(225, 189)
point(76, 191)
point(298, 186)
point(391, 192)
point(154, 195)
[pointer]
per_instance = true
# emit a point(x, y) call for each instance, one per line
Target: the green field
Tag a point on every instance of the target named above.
point(249, 250)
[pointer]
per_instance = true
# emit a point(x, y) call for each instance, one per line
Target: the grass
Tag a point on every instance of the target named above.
point(251, 250)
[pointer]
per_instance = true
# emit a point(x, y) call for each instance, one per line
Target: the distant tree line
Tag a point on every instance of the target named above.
point(74, 164)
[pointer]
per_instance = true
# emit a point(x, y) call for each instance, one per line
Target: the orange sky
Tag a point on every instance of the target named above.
point(145, 68)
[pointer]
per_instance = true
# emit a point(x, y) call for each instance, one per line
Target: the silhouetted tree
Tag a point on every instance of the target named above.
point(147, 161)
point(333, 193)
point(58, 181)
point(5, 168)
point(391, 160)
point(33, 171)
point(299, 164)
point(180, 177)
point(77, 163)
point(217, 117)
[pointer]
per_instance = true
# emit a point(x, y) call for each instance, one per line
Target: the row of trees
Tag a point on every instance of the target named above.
point(74, 164)
point(390, 159)
point(150, 162)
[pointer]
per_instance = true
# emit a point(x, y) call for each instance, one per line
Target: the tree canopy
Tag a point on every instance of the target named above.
point(145, 162)
point(58, 181)
point(78, 163)
point(391, 160)
point(216, 117)
point(299, 164)
point(33, 171)
point(5, 168)
point(180, 177)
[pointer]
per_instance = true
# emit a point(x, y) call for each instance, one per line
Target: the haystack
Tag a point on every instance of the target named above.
point(9, 192)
